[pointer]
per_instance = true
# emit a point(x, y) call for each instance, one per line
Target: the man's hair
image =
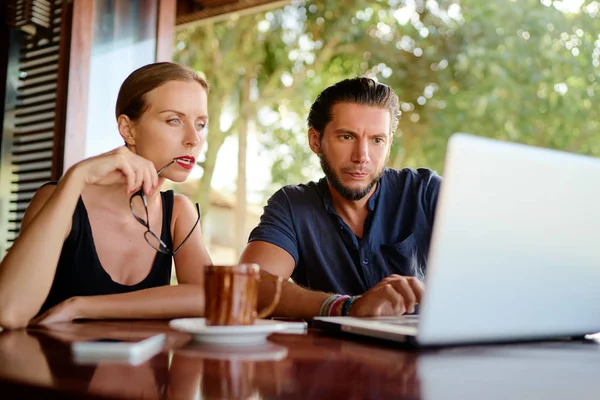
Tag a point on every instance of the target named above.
point(355, 90)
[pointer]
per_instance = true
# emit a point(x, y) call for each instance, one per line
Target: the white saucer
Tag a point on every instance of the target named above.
point(235, 335)
point(261, 352)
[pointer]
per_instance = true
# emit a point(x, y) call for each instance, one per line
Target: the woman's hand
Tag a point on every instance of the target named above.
point(119, 166)
point(67, 311)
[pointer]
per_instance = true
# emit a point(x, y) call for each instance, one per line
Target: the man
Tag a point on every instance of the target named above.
point(355, 242)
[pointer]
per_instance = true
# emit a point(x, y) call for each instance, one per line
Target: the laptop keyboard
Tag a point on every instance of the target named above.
point(404, 323)
point(405, 320)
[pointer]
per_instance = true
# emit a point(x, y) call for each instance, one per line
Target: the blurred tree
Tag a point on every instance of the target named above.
point(286, 54)
point(261, 62)
point(377, 41)
point(524, 71)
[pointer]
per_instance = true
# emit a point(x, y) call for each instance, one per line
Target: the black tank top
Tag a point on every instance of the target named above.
point(79, 272)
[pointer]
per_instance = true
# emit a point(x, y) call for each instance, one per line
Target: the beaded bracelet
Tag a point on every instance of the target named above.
point(347, 304)
point(332, 304)
point(336, 305)
point(324, 311)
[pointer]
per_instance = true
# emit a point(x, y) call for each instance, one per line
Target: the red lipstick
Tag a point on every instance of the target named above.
point(186, 162)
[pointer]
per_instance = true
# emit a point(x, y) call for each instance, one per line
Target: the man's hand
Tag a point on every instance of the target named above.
point(395, 295)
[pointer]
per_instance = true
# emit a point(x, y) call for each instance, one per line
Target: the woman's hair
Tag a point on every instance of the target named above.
point(132, 100)
point(364, 91)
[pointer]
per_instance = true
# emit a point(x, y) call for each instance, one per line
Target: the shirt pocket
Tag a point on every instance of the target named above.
point(402, 258)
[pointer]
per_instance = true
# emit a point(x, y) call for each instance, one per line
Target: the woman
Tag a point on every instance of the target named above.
point(89, 245)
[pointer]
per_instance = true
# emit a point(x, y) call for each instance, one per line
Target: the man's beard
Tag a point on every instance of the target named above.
point(345, 192)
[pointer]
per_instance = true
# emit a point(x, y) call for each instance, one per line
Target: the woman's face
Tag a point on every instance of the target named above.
point(173, 126)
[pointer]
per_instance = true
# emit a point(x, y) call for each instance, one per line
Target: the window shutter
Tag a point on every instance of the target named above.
point(34, 150)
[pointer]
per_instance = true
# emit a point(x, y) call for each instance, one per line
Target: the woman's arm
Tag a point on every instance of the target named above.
point(183, 300)
point(163, 302)
point(28, 269)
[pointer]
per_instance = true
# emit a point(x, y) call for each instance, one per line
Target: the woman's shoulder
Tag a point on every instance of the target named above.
point(182, 206)
point(46, 189)
point(180, 200)
point(38, 200)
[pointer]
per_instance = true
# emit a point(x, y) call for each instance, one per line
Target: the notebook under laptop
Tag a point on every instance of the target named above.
point(515, 250)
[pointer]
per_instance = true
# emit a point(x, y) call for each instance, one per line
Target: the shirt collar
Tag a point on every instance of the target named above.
point(323, 188)
point(373, 199)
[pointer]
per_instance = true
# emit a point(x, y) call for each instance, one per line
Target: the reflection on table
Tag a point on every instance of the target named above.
point(38, 363)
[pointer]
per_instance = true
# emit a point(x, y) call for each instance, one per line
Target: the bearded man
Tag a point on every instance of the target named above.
point(355, 242)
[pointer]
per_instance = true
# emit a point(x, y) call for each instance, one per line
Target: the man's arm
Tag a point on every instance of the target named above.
point(395, 295)
point(273, 246)
point(295, 300)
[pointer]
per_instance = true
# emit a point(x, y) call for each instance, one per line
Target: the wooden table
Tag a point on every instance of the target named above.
point(37, 363)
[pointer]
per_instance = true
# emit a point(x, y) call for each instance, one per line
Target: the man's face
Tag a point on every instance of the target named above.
point(354, 148)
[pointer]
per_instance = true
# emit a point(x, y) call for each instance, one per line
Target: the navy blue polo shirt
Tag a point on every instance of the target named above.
point(329, 257)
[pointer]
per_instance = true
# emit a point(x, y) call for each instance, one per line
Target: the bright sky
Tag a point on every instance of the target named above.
point(567, 6)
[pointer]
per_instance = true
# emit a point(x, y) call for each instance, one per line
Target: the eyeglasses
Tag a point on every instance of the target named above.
point(151, 238)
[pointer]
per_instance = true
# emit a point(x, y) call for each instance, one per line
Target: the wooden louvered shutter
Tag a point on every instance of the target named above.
point(35, 150)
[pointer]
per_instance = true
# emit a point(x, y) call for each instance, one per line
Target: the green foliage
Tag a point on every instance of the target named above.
point(515, 70)
point(522, 73)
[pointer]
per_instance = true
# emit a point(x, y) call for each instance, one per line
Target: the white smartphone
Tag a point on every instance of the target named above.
point(292, 325)
point(130, 351)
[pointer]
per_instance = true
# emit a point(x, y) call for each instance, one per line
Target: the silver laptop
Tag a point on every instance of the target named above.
point(540, 370)
point(515, 251)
